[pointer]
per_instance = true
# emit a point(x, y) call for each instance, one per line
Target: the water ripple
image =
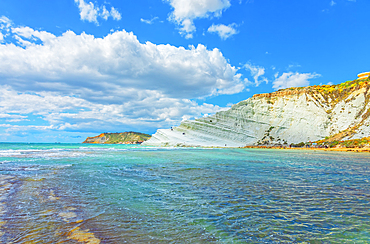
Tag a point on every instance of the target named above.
point(131, 195)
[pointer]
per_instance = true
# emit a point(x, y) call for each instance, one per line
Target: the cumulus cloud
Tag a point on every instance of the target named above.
point(113, 65)
point(89, 12)
point(224, 31)
point(186, 11)
point(69, 113)
point(77, 82)
point(257, 72)
point(291, 79)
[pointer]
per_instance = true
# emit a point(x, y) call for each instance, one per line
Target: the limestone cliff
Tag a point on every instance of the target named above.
point(286, 116)
point(118, 138)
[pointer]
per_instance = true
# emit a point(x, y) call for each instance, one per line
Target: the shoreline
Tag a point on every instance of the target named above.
point(342, 149)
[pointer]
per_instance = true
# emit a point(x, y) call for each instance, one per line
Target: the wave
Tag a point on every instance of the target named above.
point(79, 151)
point(39, 153)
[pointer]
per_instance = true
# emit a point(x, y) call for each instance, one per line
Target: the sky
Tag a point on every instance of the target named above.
point(76, 68)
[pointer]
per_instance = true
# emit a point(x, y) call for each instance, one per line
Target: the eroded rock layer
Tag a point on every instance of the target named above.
point(287, 116)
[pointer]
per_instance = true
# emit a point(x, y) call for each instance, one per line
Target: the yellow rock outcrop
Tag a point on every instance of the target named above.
point(363, 75)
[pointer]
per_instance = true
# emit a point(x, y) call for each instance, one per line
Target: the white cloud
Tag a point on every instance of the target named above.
point(148, 21)
point(11, 118)
point(293, 66)
point(68, 113)
point(257, 73)
point(5, 23)
point(186, 11)
point(30, 33)
point(291, 79)
point(89, 12)
point(24, 128)
point(114, 64)
point(79, 82)
point(332, 3)
point(224, 31)
point(115, 14)
point(105, 13)
point(187, 28)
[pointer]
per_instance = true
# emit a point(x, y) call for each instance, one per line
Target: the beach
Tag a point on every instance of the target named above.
point(333, 149)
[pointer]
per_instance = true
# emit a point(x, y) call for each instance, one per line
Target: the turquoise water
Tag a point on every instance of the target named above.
point(65, 193)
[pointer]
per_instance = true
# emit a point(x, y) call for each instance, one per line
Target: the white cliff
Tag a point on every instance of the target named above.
point(289, 116)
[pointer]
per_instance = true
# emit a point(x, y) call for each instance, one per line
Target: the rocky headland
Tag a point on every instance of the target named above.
point(326, 114)
point(118, 138)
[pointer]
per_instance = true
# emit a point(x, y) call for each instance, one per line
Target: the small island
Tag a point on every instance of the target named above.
point(118, 138)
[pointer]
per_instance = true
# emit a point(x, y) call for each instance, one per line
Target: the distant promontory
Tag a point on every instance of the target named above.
point(118, 138)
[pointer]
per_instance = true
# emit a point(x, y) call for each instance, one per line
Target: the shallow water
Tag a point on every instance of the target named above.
point(73, 193)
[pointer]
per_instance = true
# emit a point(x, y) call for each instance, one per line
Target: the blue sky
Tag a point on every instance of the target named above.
point(76, 68)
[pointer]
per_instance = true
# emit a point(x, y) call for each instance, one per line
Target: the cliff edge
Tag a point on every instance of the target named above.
point(286, 116)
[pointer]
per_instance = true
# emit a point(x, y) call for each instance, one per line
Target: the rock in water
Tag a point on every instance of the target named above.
point(286, 116)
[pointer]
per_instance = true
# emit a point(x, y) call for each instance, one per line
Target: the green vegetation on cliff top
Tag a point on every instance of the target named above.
point(334, 93)
point(353, 143)
point(119, 138)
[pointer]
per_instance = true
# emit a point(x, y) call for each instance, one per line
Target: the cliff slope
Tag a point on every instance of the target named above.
point(118, 138)
point(292, 115)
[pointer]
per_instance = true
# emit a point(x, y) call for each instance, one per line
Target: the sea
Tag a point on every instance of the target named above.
point(82, 193)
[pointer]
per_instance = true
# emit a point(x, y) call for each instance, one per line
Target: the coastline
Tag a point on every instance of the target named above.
point(341, 149)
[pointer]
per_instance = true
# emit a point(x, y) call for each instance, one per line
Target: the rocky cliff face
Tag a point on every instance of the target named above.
point(118, 138)
point(291, 115)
